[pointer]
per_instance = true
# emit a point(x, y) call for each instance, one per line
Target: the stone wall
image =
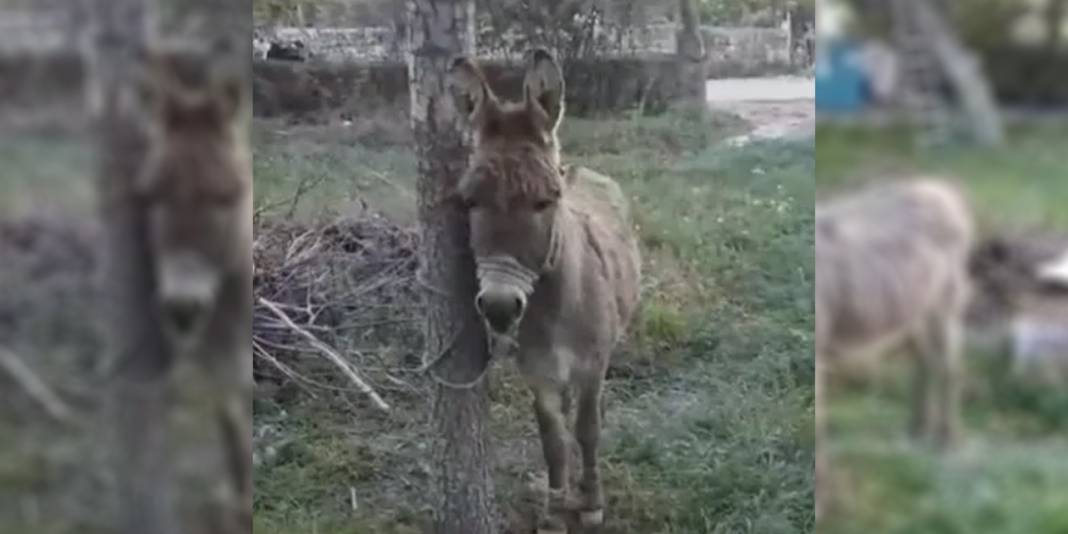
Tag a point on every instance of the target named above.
point(746, 51)
point(48, 31)
point(321, 91)
point(731, 51)
point(350, 70)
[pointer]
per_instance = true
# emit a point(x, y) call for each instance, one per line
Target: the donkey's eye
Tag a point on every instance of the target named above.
point(542, 205)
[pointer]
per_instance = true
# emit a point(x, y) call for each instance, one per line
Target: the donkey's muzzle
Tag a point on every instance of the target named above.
point(501, 307)
point(183, 315)
point(188, 287)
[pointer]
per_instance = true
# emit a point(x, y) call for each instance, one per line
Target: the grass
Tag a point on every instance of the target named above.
point(1021, 184)
point(43, 171)
point(709, 415)
point(1010, 476)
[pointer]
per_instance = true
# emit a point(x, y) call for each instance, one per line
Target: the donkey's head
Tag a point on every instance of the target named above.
point(1007, 275)
point(196, 184)
point(513, 185)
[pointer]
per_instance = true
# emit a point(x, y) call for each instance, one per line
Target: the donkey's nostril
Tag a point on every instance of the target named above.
point(501, 311)
point(183, 315)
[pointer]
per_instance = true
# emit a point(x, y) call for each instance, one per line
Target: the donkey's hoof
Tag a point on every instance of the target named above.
point(552, 525)
point(591, 518)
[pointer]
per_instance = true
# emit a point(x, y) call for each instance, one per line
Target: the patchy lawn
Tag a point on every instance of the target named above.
point(709, 408)
point(1010, 477)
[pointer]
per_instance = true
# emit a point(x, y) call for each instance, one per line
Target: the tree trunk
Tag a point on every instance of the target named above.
point(691, 55)
point(137, 403)
point(963, 71)
point(440, 30)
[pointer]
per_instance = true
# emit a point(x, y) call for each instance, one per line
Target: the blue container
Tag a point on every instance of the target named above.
point(840, 84)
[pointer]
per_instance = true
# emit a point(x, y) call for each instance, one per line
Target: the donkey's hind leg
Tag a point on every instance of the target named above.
point(587, 432)
point(938, 380)
point(548, 408)
point(924, 397)
point(948, 336)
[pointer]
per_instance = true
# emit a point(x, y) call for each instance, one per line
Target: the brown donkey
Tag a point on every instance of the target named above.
point(557, 265)
point(197, 187)
point(891, 270)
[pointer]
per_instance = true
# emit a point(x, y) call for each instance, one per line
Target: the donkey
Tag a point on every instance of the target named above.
point(557, 264)
point(892, 272)
point(1022, 284)
point(196, 185)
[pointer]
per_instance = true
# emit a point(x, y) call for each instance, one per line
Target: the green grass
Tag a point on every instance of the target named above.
point(709, 417)
point(1022, 184)
point(999, 482)
point(45, 172)
point(337, 172)
point(1010, 477)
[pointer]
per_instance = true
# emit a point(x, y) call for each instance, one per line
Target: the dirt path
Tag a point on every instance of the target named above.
point(775, 108)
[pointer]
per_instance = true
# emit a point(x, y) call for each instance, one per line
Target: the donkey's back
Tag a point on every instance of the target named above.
point(888, 257)
point(605, 215)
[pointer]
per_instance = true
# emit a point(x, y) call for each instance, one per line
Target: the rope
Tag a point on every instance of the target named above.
point(504, 270)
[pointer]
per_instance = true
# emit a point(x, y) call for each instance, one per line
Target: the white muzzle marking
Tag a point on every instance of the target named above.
point(505, 274)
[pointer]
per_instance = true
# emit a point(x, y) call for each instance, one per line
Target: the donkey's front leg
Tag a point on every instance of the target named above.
point(548, 407)
point(588, 431)
point(235, 424)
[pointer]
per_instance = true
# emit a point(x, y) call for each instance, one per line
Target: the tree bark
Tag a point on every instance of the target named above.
point(691, 55)
point(439, 30)
point(137, 398)
point(963, 71)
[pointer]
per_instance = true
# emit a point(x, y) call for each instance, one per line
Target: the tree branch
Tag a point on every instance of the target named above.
point(327, 351)
point(34, 386)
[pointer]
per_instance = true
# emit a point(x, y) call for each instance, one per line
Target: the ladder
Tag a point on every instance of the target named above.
point(921, 77)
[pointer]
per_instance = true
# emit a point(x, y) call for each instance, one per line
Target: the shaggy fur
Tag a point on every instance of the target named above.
point(571, 228)
point(891, 271)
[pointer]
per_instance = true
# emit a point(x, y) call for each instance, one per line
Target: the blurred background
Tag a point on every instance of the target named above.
point(57, 443)
point(54, 475)
point(977, 90)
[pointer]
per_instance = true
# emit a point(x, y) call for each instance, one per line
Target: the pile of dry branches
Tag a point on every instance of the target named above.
point(337, 305)
point(47, 302)
point(46, 268)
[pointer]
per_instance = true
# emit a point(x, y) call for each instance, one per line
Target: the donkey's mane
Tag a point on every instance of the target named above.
point(523, 172)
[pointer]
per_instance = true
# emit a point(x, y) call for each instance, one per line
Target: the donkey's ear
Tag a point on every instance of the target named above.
point(470, 92)
point(543, 85)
